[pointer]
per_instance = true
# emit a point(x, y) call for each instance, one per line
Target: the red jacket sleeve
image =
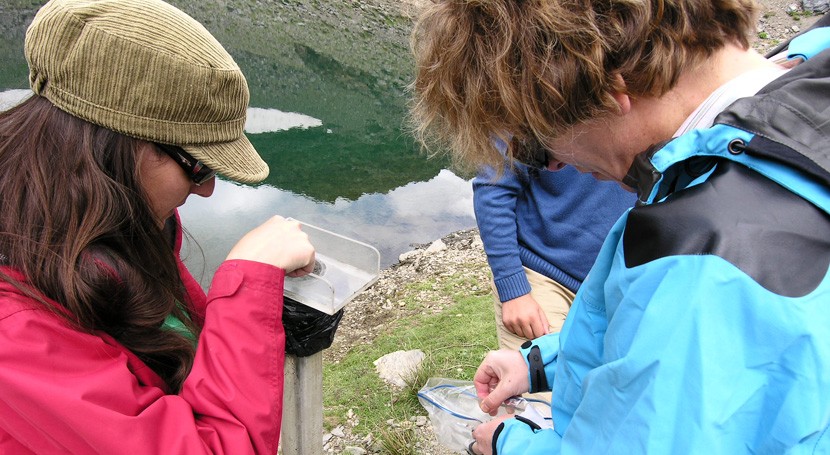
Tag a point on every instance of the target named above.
point(65, 391)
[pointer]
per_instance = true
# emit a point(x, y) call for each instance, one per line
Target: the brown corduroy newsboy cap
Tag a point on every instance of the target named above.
point(147, 70)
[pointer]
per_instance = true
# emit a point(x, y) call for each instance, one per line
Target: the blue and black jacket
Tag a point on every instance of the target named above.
point(704, 326)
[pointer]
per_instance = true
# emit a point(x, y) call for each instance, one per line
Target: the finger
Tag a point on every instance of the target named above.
point(483, 380)
point(490, 404)
point(522, 332)
point(543, 318)
point(537, 328)
point(514, 329)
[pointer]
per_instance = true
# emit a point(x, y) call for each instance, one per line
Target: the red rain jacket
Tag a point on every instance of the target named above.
point(65, 391)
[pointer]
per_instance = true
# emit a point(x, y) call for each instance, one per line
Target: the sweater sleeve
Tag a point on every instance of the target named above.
point(494, 203)
point(65, 391)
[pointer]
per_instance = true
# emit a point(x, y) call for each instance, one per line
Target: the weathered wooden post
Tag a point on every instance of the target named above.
point(302, 417)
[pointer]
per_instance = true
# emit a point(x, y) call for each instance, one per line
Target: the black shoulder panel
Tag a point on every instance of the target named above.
point(779, 239)
point(788, 117)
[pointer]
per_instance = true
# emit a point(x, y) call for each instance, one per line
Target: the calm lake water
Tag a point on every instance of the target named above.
point(330, 128)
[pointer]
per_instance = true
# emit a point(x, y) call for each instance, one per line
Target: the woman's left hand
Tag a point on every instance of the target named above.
point(483, 435)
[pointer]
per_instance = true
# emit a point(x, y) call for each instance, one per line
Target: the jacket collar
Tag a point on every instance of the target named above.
point(643, 175)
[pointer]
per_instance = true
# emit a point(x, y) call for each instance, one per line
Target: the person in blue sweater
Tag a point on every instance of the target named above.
point(541, 231)
point(703, 325)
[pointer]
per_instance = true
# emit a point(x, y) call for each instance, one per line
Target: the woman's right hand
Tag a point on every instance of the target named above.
point(278, 242)
point(501, 375)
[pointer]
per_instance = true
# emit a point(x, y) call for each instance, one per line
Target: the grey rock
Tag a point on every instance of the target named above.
point(815, 6)
point(338, 431)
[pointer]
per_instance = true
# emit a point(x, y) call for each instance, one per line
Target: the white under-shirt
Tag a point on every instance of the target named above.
point(747, 84)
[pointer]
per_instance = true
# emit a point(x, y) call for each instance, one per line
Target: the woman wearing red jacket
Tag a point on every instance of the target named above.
point(107, 343)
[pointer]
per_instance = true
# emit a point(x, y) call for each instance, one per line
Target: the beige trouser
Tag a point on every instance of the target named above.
point(555, 301)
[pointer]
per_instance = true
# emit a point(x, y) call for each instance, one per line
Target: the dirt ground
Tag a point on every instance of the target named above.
point(780, 20)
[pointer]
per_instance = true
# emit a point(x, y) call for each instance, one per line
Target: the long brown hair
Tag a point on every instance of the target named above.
point(75, 222)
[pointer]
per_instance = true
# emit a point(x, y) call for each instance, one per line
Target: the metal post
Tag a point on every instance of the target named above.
point(302, 416)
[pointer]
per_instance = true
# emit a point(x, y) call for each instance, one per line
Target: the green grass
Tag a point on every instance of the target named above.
point(398, 441)
point(454, 341)
point(798, 14)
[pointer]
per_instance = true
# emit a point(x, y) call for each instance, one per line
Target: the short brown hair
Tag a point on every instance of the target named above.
point(533, 68)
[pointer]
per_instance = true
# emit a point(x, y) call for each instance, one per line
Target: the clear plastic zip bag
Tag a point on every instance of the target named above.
point(454, 411)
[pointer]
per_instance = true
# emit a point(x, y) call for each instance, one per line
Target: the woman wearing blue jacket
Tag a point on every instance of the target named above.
point(702, 327)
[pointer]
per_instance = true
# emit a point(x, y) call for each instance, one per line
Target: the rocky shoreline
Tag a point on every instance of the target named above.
point(369, 312)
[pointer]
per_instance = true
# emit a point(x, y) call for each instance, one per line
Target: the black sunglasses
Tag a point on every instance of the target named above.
point(531, 153)
point(197, 171)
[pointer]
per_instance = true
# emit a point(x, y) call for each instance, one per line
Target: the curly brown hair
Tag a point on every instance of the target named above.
point(531, 69)
point(75, 221)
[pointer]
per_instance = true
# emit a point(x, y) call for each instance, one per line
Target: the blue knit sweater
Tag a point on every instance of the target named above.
point(551, 222)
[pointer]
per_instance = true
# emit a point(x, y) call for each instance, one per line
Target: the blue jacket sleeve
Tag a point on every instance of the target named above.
point(494, 202)
point(517, 437)
point(690, 365)
point(541, 355)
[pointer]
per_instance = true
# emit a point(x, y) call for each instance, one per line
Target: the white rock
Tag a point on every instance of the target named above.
point(436, 246)
point(397, 366)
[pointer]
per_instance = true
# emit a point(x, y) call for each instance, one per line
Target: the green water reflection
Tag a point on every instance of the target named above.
point(349, 72)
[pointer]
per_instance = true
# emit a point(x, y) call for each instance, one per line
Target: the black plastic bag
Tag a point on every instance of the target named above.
point(307, 331)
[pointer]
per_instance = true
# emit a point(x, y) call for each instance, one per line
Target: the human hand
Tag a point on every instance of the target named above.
point(524, 317)
point(483, 435)
point(278, 242)
point(501, 375)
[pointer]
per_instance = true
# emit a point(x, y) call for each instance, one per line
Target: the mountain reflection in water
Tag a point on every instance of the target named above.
point(328, 116)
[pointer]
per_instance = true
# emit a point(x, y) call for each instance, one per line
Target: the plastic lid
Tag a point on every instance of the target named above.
point(344, 268)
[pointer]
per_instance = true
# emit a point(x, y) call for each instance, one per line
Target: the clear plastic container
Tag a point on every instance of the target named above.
point(344, 267)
